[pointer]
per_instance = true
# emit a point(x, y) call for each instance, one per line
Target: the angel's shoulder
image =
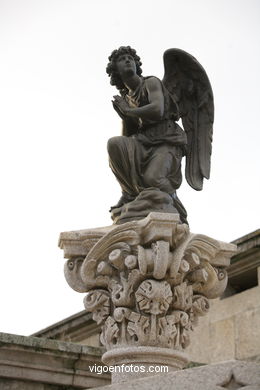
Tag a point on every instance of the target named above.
point(152, 79)
point(152, 82)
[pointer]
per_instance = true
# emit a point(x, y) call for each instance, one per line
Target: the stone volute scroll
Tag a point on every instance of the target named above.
point(147, 284)
point(147, 279)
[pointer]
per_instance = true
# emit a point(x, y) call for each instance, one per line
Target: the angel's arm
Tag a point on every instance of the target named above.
point(153, 110)
point(129, 124)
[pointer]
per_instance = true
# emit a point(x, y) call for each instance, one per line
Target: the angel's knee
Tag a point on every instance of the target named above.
point(113, 145)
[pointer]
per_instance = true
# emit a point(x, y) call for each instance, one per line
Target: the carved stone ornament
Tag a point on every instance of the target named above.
point(147, 282)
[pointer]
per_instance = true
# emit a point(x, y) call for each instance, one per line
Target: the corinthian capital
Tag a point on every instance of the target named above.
point(147, 282)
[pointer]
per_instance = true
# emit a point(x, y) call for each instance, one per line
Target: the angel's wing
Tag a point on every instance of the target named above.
point(188, 83)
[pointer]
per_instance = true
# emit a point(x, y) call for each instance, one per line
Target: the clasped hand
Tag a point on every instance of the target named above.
point(120, 105)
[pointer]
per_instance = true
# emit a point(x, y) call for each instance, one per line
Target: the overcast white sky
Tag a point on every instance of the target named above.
point(56, 118)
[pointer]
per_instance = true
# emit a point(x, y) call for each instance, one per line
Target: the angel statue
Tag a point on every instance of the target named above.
point(146, 158)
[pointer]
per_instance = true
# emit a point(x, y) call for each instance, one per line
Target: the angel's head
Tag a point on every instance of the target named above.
point(113, 67)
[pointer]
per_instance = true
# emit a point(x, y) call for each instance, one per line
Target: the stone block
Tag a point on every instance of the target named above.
point(45, 363)
point(10, 384)
point(234, 305)
point(247, 334)
point(222, 340)
point(227, 375)
point(91, 341)
point(199, 349)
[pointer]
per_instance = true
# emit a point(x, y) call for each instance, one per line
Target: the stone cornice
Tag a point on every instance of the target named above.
point(78, 327)
point(49, 361)
point(248, 255)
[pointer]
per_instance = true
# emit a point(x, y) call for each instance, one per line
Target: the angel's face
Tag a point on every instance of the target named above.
point(126, 65)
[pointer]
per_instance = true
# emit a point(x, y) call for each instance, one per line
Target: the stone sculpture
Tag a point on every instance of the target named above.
point(148, 282)
point(146, 159)
point(147, 278)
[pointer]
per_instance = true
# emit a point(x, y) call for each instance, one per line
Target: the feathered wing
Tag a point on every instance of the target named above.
point(188, 83)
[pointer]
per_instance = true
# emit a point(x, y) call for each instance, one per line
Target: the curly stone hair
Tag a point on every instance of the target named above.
point(111, 69)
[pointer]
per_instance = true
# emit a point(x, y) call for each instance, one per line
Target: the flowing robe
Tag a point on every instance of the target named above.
point(149, 152)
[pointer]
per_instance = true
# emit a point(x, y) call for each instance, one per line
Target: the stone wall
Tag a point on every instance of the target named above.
point(31, 363)
point(230, 330)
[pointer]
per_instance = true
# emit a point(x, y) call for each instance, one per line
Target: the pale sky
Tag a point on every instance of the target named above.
point(56, 118)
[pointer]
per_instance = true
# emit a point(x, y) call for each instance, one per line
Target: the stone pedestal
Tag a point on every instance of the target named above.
point(138, 362)
point(148, 281)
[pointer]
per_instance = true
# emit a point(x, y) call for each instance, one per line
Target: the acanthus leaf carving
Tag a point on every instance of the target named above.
point(98, 303)
point(110, 333)
point(149, 288)
point(182, 296)
point(167, 331)
point(138, 328)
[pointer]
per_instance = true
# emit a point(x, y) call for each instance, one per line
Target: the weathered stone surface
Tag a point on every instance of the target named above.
point(47, 362)
point(236, 304)
point(200, 347)
point(78, 328)
point(235, 324)
point(148, 281)
point(222, 336)
point(11, 384)
point(78, 243)
point(143, 358)
point(248, 324)
point(227, 375)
